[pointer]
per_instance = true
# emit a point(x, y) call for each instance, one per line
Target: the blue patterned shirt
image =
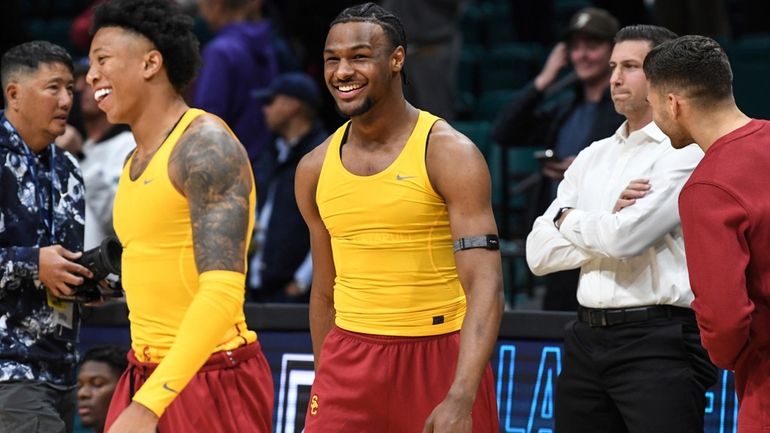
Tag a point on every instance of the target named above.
point(41, 204)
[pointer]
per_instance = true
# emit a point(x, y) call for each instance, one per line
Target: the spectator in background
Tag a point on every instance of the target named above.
point(41, 233)
point(103, 155)
point(99, 372)
point(238, 64)
point(434, 51)
point(567, 126)
point(281, 270)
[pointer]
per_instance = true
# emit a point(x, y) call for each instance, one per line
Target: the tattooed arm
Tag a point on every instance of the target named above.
point(211, 169)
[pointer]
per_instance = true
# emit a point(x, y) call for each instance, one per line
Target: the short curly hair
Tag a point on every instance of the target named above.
point(165, 25)
point(695, 64)
point(113, 356)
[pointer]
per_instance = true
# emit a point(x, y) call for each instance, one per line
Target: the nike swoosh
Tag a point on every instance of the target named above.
point(146, 181)
point(168, 388)
point(399, 177)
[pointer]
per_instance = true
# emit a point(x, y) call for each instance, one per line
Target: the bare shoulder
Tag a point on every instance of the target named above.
point(208, 149)
point(443, 132)
point(208, 133)
point(451, 153)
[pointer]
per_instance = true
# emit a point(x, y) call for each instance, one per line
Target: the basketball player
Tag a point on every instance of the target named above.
point(183, 212)
point(402, 326)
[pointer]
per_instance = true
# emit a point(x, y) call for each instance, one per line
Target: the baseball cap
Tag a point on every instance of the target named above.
point(294, 84)
point(594, 22)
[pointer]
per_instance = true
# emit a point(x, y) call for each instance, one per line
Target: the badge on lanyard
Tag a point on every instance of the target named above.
point(63, 311)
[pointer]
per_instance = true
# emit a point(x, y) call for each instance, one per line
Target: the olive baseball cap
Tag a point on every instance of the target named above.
point(594, 22)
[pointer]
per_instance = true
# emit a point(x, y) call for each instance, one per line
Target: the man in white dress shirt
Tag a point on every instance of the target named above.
point(633, 361)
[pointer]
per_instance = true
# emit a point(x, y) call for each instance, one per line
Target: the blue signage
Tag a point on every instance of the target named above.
point(525, 373)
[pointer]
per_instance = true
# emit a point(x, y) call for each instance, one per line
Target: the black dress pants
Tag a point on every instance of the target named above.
point(638, 377)
point(561, 291)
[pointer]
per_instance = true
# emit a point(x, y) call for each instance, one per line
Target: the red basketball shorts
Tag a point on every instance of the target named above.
point(379, 384)
point(229, 394)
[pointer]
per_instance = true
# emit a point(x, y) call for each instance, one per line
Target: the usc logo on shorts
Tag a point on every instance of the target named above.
point(314, 404)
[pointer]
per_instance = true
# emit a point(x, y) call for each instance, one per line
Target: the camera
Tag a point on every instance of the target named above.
point(101, 261)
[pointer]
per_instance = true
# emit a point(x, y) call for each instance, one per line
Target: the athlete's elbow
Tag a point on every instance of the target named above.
point(321, 296)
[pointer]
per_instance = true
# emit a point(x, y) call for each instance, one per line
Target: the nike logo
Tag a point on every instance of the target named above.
point(168, 388)
point(399, 177)
point(146, 181)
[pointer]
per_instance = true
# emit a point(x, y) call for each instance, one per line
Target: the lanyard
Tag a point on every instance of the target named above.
point(46, 213)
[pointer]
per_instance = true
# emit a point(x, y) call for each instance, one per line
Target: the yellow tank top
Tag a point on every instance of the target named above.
point(392, 247)
point(160, 278)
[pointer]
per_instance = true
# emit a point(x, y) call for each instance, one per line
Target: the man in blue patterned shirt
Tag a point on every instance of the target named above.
point(41, 233)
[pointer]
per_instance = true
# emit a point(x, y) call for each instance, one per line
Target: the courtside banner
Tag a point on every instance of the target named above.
point(526, 362)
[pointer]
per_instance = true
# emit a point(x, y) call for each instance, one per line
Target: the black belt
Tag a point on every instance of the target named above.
point(615, 316)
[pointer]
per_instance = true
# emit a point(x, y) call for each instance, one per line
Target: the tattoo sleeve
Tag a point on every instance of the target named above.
point(213, 172)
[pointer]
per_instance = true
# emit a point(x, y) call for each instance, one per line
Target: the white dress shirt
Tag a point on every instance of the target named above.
point(631, 258)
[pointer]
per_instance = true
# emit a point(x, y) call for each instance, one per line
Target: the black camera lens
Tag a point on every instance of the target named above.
point(101, 261)
point(112, 253)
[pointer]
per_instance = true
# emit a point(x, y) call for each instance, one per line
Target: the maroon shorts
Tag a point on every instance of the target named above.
point(230, 393)
point(378, 384)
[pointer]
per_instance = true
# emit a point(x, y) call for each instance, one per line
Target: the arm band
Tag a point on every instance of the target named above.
point(489, 242)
